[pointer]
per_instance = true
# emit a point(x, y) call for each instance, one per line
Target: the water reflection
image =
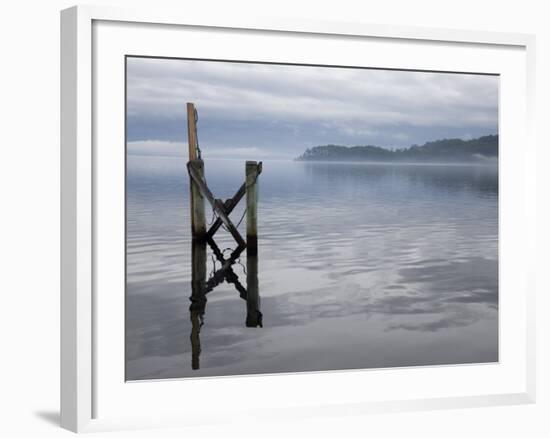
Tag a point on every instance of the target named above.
point(360, 266)
point(475, 178)
point(200, 287)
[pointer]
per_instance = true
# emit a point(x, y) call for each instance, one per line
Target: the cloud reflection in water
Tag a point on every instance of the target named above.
point(359, 266)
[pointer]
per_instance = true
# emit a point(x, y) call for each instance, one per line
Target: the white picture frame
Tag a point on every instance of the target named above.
point(88, 362)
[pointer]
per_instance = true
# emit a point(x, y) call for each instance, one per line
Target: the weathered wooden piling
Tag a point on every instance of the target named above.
point(192, 131)
point(253, 169)
point(199, 192)
point(198, 216)
point(253, 314)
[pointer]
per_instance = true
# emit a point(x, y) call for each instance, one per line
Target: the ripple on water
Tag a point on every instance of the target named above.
point(355, 265)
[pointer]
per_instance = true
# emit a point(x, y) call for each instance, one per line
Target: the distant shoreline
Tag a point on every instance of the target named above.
point(455, 150)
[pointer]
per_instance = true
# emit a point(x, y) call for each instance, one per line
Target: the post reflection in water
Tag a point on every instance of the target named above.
point(200, 287)
point(253, 314)
point(198, 298)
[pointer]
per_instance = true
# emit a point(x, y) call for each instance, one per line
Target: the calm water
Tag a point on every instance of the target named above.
point(359, 266)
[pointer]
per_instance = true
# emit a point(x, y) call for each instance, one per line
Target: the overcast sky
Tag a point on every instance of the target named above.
point(258, 111)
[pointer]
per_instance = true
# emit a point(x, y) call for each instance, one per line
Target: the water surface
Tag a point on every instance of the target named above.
point(360, 265)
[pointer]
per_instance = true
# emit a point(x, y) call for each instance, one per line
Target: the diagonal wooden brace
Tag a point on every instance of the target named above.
point(229, 205)
point(216, 204)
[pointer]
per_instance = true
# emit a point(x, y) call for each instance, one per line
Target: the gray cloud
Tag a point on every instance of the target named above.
point(288, 108)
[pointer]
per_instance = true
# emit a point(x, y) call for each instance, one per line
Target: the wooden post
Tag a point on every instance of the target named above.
point(252, 172)
point(198, 216)
point(192, 131)
point(253, 314)
point(198, 298)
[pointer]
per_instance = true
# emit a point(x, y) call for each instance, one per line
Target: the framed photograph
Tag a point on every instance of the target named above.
point(266, 218)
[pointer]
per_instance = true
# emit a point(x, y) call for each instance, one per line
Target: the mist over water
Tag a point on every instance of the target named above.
point(360, 265)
